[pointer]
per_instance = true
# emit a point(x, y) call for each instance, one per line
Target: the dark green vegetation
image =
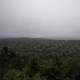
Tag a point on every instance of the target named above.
point(37, 59)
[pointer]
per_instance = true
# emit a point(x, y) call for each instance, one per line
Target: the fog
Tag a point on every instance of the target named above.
point(40, 18)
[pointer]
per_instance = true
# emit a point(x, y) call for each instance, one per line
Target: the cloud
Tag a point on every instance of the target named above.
point(46, 18)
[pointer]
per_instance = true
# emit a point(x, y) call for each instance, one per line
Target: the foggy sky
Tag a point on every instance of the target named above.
point(40, 18)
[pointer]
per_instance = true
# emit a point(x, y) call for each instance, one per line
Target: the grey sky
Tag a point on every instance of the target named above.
point(40, 18)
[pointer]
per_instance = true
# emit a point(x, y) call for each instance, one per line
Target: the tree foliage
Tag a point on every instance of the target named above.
point(42, 63)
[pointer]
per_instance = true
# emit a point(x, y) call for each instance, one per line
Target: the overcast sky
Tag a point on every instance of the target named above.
point(40, 18)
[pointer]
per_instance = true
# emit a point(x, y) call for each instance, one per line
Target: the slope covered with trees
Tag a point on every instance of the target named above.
point(38, 59)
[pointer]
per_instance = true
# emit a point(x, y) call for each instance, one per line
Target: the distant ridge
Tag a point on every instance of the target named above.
point(35, 36)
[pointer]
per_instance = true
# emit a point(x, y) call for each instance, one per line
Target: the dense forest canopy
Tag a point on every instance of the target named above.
point(39, 59)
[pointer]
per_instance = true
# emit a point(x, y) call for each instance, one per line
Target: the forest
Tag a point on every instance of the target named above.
point(39, 59)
